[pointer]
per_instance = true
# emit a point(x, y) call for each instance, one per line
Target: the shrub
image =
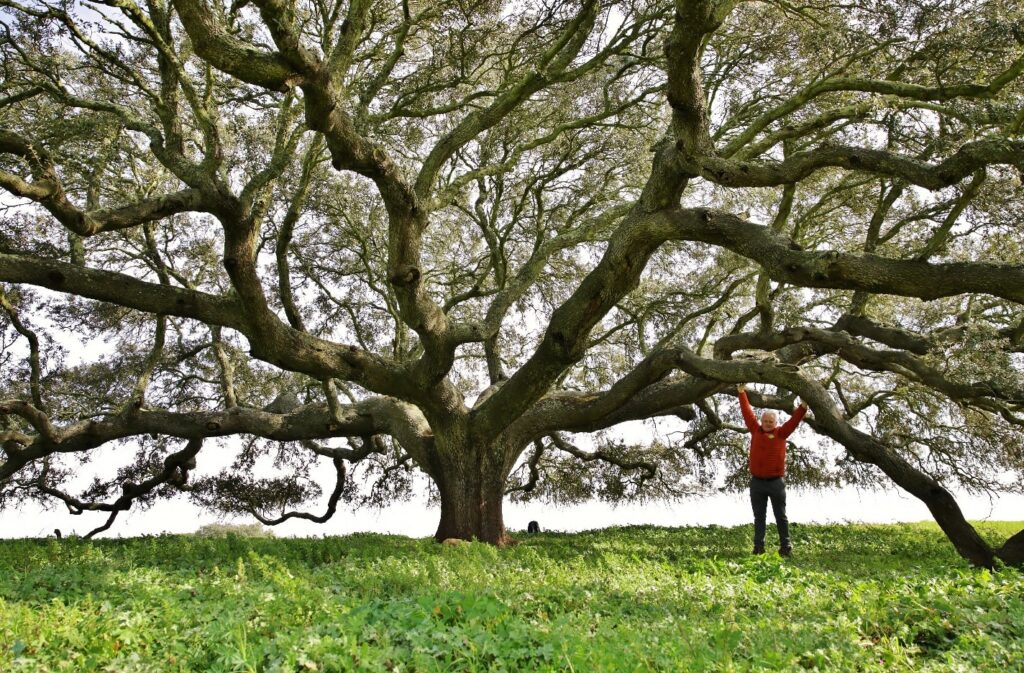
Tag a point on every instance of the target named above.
point(239, 529)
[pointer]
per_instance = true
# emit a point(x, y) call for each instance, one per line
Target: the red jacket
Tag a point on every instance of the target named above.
point(768, 450)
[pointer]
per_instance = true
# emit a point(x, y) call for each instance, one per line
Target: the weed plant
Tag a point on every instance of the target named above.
point(854, 598)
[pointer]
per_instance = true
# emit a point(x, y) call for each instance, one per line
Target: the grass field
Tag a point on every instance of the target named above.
point(854, 598)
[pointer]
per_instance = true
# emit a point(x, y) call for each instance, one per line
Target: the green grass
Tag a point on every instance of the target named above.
point(854, 598)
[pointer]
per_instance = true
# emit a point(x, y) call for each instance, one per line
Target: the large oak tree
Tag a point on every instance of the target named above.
point(445, 236)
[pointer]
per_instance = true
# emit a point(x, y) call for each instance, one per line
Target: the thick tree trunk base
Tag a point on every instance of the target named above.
point(472, 512)
point(454, 542)
point(493, 534)
point(503, 540)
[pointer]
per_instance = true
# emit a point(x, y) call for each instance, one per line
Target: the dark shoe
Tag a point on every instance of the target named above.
point(786, 552)
point(758, 549)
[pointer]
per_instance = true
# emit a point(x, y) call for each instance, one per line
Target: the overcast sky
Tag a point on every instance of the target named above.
point(415, 519)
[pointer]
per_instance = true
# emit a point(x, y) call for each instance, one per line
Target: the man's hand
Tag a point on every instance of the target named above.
point(742, 387)
point(803, 404)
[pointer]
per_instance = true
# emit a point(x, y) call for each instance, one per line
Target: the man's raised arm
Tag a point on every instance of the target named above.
point(789, 426)
point(748, 413)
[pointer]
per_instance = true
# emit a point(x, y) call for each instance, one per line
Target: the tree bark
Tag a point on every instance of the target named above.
point(940, 502)
point(1012, 552)
point(950, 518)
point(471, 483)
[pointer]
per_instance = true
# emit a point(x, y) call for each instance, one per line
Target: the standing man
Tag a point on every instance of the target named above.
point(767, 468)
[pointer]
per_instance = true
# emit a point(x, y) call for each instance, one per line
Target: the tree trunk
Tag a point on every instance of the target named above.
point(471, 510)
point(939, 501)
point(471, 483)
point(1012, 553)
point(962, 534)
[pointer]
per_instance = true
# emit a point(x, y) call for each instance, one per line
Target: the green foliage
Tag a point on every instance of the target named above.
point(855, 597)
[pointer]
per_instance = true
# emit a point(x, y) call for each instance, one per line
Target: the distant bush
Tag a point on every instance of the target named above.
point(239, 529)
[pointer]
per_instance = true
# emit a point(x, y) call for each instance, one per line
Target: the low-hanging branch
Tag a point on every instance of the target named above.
point(648, 469)
point(799, 343)
point(332, 502)
point(175, 470)
point(533, 470)
point(370, 417)
point(34, 361)
point(893, 337)
point(574, 411)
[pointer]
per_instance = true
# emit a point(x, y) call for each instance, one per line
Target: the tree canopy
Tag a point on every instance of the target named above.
point(447, 237)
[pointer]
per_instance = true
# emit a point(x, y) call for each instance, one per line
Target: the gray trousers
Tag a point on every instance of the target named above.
point(761, 490)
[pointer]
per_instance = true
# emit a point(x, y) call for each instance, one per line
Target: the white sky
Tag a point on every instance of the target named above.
point(415, 519)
